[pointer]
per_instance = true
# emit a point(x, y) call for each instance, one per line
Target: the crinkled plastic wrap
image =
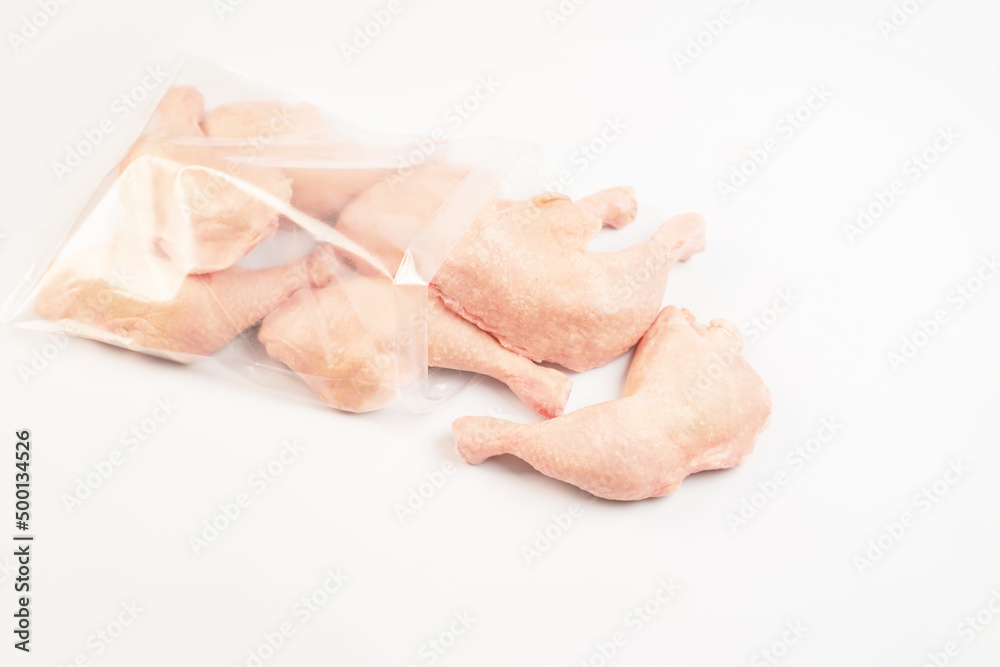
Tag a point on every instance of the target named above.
point(250, 229)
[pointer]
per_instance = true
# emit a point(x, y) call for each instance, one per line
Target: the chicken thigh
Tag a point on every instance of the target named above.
point(205, 205)
point(162, 309)
point(691, 403)
point(340, 339)
point(523, 273)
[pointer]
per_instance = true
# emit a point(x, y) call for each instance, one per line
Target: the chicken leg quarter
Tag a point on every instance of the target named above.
point(691, 403)
point(523, 273)
point(196, 314)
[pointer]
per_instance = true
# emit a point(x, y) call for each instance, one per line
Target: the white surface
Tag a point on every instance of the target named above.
point(826, 357)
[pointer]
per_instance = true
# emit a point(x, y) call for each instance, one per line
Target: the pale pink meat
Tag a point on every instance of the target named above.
point(616, 207)
point(198, 315)
point(522, 272)
point(298, 136)
point(204, 205)
point(691, 403)
point(340, 341)
point(389, 215)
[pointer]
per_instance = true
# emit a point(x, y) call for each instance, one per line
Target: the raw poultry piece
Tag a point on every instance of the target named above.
point(691, 403)
point(204, 205)
point(389, 215)
point(340, 340)
point(523, 273)
point(156, 307)
point(616, 207)
point(297, 136)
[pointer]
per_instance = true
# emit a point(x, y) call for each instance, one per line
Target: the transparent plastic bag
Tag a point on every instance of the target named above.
point(249, 229)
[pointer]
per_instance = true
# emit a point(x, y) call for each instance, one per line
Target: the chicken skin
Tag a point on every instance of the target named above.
point(164, 310)
point(691, 403)
point(204, 205)
point(616, 207)
point(340, 339)
point(522, 272)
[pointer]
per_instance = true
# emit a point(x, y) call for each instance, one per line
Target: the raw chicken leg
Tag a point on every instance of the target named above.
point(460, 345)
point(203, 204)
point(691, 403)
point(523, 273)
point(198, 315)
point(323, 185)
point(340, 340)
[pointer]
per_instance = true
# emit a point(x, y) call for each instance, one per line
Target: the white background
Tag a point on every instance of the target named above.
point(463, 550)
